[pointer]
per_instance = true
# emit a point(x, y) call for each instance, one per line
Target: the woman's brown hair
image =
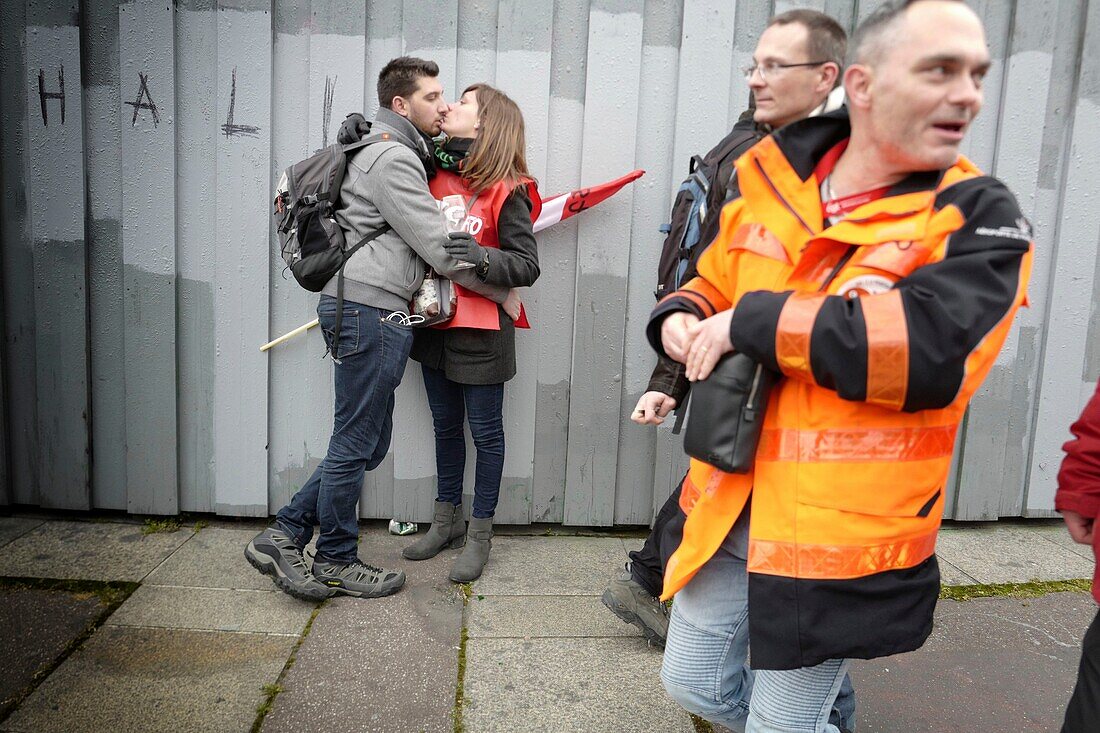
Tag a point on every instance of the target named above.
point(499, 152)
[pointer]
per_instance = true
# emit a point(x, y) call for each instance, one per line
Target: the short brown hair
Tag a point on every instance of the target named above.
point(826, 40)
point(499, 152)
point(401, 76)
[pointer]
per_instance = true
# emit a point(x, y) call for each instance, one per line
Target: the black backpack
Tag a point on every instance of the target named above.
point(312, 242)
point(698, 196)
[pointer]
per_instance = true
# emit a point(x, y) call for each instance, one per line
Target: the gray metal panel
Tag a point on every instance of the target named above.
point(614, 47)
point(242, 255)
point(524, 37)
point(660, 69)
point(706, 65)
point(477, 44)
point(992, 475)
point(147, 118)
point(384, 24)
point(106, 321)
point(336, 84)
point(17, 260)
point(196, 246)
point(1074, 282)
point(558, 260)
point(300, 395)
point(750, 21)
point(429, 31)
point(55, 183)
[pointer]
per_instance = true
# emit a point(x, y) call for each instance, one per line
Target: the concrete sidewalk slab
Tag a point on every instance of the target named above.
point(1060, 536)
point(1010, 554)
point(590, 685)
point(560, 566)
point(36, 626)
point(392, 662)
point(89, 551)
point(991, 664)
point(213, 558)
point(214, 609)
point(951, 575)
point(542, 616)
point(12, 527)
point(154, 680)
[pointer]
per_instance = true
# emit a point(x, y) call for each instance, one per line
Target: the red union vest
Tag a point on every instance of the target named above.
point(474, 310)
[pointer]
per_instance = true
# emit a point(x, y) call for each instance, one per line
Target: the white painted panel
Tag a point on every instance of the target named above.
point(1063, 392)
point(55, 186)
point(653, 153)
point(706, 60)
point(383, 43)
point(241, 285)
point(611, 113)
point(196, 247)
point(429, 31)
point(524, 37)
point(147, 82)
point(300, 409)
point(558, 259)
point(106, 320)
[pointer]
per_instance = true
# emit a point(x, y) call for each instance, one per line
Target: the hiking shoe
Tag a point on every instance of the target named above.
point(633, 604)
point(358, 579)
point(274, 553)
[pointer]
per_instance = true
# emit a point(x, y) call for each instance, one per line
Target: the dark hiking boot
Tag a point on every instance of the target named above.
point(358, 579)
point(633, 604)
point(274, 553)
point(448, 530)
point(479, 540)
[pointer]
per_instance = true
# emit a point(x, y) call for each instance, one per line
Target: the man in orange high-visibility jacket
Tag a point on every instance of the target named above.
point(879, 271)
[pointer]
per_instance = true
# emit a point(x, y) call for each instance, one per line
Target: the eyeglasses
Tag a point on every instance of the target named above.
point(773, 69)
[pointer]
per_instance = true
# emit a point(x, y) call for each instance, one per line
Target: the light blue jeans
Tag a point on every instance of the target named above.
point(705, 663)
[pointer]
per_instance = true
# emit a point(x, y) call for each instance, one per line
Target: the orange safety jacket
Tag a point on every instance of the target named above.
point(475, 310)
point(884, 325)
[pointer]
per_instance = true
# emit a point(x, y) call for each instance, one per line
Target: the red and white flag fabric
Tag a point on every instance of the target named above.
point(561, 207)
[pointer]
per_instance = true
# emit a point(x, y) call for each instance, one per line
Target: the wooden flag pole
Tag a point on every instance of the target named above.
point(290, 334)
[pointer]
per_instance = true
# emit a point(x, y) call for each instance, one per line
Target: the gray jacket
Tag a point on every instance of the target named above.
point(386, 183)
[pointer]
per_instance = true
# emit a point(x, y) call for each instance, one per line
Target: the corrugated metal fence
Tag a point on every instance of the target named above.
point(140, 143)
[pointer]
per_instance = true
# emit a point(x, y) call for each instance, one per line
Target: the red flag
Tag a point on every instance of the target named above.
point(563, 206)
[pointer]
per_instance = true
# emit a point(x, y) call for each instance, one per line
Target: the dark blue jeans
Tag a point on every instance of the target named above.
point(483, 404)
point(372, 355)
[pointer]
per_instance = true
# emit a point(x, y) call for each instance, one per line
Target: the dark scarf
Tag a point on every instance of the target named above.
point(450, 154)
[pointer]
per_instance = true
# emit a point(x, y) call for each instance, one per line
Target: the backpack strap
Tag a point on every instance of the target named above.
point(340, 155)
point(373, 234)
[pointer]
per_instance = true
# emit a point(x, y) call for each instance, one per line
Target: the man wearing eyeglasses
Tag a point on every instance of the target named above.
point(795, 74)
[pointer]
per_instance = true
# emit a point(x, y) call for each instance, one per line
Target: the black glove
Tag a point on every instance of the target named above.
point(462, 246)
point(355, 127)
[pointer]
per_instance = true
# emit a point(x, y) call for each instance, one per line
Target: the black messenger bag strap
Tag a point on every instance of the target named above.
point(374, 234)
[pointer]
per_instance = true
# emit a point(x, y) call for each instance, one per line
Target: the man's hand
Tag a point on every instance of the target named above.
point(1080, 527)
point(674, 335)
point(708, 341)
point(462, 246)
point(511, 304)
point(652, 408)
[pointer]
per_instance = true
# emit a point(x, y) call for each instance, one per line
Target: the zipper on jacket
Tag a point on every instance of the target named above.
point(844, 259)
point(779, 196)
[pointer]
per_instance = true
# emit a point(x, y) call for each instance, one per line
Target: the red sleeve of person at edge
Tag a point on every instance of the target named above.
point(1079, 477)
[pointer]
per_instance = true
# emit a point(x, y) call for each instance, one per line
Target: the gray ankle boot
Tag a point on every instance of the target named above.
point(472, 561)
point(448, 530)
